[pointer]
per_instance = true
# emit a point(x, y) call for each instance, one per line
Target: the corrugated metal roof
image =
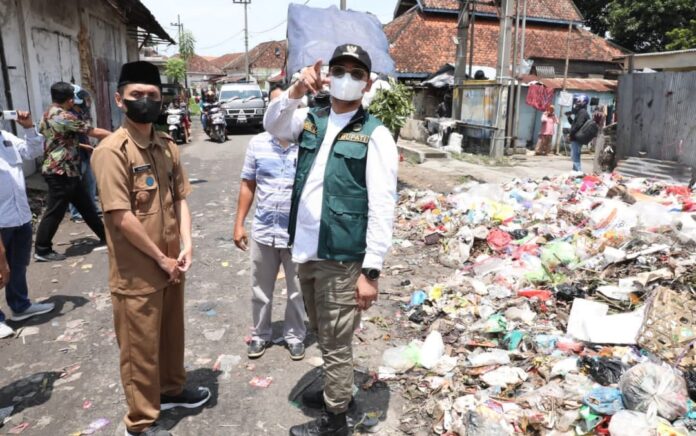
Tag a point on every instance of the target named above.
point(661, 53)
point(575, 84)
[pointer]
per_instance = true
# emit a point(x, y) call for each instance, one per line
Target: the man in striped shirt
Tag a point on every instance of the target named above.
point(269, 172)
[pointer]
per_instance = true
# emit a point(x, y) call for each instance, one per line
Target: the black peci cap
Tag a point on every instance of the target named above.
point(139, 72)
point(353, 52)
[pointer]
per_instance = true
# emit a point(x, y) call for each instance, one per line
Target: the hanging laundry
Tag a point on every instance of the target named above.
point(539, 96)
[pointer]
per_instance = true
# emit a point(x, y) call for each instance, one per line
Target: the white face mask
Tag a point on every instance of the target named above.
point(346, 88)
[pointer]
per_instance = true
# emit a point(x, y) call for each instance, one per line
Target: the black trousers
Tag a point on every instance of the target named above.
point(63, 190)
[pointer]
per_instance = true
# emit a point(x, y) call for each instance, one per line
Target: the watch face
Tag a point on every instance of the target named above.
point(373, 274)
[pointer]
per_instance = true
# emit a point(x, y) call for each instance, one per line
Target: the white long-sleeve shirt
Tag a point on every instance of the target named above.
point(285, 121)
point(14, 204)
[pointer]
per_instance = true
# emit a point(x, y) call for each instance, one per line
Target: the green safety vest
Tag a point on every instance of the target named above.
point(343, 227)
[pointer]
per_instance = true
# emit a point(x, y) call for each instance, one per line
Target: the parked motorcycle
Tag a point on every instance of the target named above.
point(214, 122)
point(175, 125)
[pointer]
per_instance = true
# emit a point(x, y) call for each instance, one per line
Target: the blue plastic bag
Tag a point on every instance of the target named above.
point(605, 401)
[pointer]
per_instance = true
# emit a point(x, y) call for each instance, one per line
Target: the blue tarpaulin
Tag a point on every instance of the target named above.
point(314, 33)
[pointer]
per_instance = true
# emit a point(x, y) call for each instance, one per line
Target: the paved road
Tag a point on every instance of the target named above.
point(77, 342)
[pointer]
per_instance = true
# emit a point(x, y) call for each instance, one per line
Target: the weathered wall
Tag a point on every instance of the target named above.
point(656, 116)
point(43, 45)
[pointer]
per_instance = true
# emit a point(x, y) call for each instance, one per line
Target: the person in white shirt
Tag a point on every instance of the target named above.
point(341, 216)
point(15, 221)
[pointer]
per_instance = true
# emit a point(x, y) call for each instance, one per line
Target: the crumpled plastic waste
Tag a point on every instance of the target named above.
point(655, 390)
point(604, 400)
point(545, 307)
point(498, 240)
point(690, 377)
point(604, 370)
point(632, 423)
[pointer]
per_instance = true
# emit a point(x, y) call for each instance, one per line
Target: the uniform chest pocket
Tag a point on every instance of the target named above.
point(144, 196)
point(350, 150)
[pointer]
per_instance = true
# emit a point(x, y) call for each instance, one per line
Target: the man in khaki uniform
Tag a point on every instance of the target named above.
point(143, 189)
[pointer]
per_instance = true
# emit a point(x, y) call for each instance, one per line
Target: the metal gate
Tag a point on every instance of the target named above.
point(657, 116)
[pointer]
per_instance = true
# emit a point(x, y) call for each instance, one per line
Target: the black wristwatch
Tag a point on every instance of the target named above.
point(371, 273)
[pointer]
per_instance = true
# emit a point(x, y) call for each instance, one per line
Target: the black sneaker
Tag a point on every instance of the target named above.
point(188, 398)
point(257, 348)
point(297, 351)
point(315, 400)
point(328, 424)
point(51, 256)
point(153, 430)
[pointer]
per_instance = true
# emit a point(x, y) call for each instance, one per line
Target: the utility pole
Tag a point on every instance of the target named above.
point(180, 29)
point(502, 78)
point(518, 93)
point(343, 5)
point(460, 63)
point(246, 34)
point(559, 129)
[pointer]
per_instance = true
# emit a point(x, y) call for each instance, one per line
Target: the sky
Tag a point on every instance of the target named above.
point(218, 25)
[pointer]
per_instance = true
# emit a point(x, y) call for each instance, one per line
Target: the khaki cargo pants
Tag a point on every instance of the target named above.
point(329, 290)
point(150, 335)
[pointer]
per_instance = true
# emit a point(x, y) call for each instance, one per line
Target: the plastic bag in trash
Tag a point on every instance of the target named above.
point(558, 253)
point(455, 251)
point(569, 292)
point(690, 377)
point(498, 240)
point(432, 350)
point(655, 390)
point(604, 401)
point(632, 423)
point(402, 358)
point(603, 370)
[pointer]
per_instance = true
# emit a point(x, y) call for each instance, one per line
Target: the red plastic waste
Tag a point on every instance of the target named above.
point(498, 240)
point(541, 294)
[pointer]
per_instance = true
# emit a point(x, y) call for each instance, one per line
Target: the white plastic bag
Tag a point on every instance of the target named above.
point(655, 390)
point(631, 423)
point(432, 350)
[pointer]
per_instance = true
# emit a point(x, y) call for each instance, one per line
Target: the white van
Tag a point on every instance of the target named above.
point(242, 103)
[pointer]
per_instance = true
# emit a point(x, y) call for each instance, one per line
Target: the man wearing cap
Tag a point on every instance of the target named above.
point(143, 189)
point(62, 170)
point(341, 216)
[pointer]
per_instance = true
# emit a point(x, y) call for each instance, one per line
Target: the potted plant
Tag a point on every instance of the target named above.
point(393, 106)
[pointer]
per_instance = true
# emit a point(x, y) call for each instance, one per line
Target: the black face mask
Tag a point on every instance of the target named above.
point(143, 110)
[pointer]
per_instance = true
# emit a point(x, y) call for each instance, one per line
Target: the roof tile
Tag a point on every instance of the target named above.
point(422, 43)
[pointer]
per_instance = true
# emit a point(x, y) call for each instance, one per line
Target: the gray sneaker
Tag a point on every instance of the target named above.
point(51, 256)
point(33, 310)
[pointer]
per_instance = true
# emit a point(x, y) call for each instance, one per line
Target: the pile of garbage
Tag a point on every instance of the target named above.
point(569, 308)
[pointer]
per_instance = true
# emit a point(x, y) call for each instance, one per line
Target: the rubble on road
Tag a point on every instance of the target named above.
point(555, 306)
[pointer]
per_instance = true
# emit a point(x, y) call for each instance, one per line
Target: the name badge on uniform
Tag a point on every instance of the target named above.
point(7, 143)
point(142, 168)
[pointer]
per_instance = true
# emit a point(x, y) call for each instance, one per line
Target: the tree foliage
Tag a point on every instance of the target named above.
point(595, 13)
point(642, 25)
point(393, 106)
point(175, 69)
point(683, 38)
point(187, 45)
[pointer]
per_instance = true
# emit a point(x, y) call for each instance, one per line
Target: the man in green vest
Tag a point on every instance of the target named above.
point(341, 216)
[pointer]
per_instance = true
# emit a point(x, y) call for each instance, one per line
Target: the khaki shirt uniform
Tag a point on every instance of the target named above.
point(144, 175)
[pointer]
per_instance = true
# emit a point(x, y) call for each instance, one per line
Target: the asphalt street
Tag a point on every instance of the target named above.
point(61, 371)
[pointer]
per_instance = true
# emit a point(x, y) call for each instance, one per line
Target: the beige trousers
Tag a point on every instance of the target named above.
point(329, 290)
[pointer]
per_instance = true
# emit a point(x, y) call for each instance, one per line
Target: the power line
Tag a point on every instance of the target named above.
point(253, 33)
point(224, 41)
point(277, 25)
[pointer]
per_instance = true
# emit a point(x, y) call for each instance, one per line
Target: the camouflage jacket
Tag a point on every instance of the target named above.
point(62, 131)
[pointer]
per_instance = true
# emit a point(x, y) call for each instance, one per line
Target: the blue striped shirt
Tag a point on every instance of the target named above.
point(273, 169)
